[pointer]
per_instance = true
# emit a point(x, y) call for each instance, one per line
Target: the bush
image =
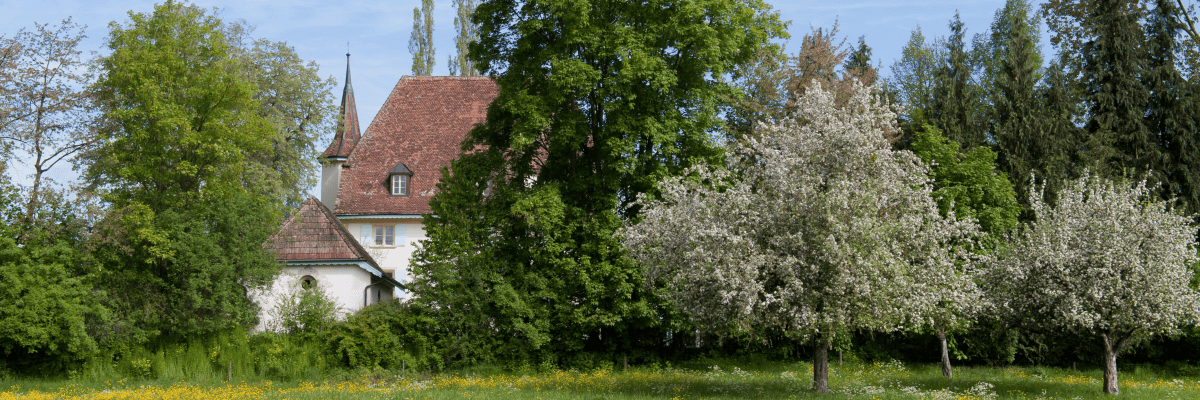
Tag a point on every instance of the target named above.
point(388, 335)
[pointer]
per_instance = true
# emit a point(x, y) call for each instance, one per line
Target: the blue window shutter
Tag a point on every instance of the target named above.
point(401, 235)
point(367, 235)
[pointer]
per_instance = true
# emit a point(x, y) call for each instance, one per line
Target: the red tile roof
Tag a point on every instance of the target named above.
point(347, 134)
point(422, 124)
point(313, 233)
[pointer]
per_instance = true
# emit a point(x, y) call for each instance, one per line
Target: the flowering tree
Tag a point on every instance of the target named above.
point(821, 229)
point(1108, 260)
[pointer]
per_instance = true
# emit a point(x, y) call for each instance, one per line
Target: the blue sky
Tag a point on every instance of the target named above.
point(378, 31)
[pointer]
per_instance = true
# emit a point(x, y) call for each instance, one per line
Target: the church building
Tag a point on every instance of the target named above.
point(357, 240)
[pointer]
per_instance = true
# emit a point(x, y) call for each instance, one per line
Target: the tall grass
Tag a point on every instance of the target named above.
point(215, 358)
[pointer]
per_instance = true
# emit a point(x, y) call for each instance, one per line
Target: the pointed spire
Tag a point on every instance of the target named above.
point(348, 133)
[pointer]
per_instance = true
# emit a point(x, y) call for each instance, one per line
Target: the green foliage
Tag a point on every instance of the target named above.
point(304, 311)
point(958, 99)
point(181, 245)
point(44, 302)
point(390, 335)
point(420, 43)
point(1171, 108)
point(467, 32)
point(597, 101)
point(295, 102)
point(968, 183)
point(1118, 143)
point(209, 358)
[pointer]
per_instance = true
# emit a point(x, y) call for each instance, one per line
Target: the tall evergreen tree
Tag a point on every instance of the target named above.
point(420, 43)
point(467, 32)
point(597, 102)
point(1118, 141)
point(858, 63)
point(956, 96)
point(1171, 110)
point(1020, 120)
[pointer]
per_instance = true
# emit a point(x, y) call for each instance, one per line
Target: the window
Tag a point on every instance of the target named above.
point(398, 180)
point(385, 235)
point(308, 282)
point(399, 185)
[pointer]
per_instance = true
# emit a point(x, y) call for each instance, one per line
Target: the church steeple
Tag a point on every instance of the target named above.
point(344, 140)
point(347, 134)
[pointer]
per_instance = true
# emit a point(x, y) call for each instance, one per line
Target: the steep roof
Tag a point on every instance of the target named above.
point(313, 233)
point(347, 135)
point(421, 125)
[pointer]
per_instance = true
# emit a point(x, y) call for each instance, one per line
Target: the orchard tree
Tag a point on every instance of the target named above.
point(826, 232)
point(1108, 260)
point(597, 101)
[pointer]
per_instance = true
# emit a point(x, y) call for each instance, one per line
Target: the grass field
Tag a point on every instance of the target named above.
point(720, 380)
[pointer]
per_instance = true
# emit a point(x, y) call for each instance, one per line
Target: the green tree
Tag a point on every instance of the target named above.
point(1171, 108)
point(181, 245)
point(467, 32)
point(968, 183)
point(296, 102)
point(420, 42)
point(957, 104)
point(1118, 141)
point(597, 102)
point(1031, 133)
point(913, 75)
point(47, 296)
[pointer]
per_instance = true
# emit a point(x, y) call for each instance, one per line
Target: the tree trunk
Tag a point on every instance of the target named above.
point(821, 365)
point(1110, 365)
point(946, 371)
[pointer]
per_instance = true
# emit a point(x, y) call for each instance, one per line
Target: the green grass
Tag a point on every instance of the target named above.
point(704, 379)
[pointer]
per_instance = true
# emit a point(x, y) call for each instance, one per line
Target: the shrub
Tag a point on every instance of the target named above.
point(388, 335)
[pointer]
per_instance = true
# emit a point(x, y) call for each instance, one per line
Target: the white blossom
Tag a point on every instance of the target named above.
point(1107, 260)
point(819, 228)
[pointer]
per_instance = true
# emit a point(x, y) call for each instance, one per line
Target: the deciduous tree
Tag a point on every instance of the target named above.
point(420, 42)
point(597, 101)
point(1109, 260)
point(466, 32)
point(181, 244)
point(828, 231)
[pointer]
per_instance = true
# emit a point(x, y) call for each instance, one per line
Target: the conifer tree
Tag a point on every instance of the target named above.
point(420, 43)
point(1118, 142)
point(1171, 108)
point(467, 32)
point(956, 96)
point(1020, 120)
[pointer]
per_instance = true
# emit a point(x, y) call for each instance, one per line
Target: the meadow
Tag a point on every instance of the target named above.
point(704, 379)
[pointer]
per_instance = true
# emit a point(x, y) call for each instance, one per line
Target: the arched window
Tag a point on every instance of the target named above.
point(308, 282)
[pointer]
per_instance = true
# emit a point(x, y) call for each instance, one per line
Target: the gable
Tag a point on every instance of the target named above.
point(421, 125)
point(314, 234)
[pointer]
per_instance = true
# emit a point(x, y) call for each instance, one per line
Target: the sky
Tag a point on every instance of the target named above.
point(376, 32)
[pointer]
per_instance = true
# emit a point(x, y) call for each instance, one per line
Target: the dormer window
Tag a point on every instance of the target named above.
point(399, 185)
point(398, 180)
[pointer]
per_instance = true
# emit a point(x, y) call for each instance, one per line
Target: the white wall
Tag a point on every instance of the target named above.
point(343, 283)
point(391, 258)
